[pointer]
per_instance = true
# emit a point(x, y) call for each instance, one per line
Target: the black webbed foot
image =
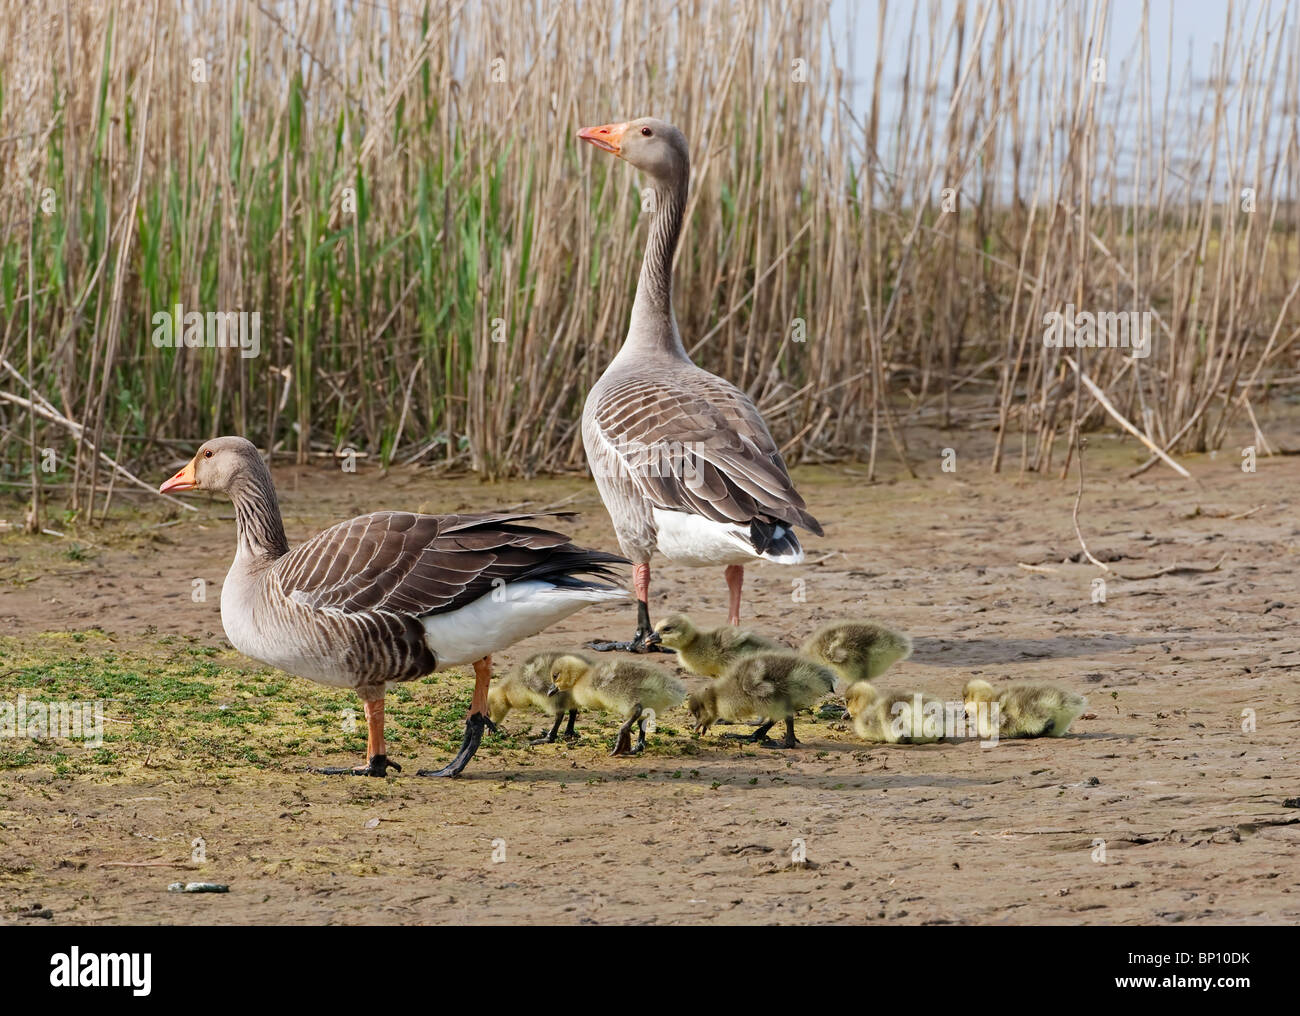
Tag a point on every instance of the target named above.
point(474, 728)
point(639, 643)
point(646, 639)
point(550, 736)
point(377, 766)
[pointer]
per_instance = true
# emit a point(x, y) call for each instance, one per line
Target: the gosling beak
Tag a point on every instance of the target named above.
point(184, 480)
point(653, 639)
point(608, 136)
point(846, 715)
point(553, 690)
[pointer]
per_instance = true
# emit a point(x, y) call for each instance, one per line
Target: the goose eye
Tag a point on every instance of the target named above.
point(646, 132)
point(208, 454)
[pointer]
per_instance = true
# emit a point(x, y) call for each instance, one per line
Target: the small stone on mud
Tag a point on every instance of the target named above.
point(197, 887)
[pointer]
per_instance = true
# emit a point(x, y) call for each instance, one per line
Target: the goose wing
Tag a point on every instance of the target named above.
point(692, 442)
point(404, 563)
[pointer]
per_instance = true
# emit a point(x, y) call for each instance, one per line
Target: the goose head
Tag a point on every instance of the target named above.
point(651, 145)
point(219, 465)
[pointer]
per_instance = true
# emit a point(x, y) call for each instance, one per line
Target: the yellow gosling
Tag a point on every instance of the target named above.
point(1026, 710)
point(627, 688)
point(527, 687)
point(775, 685)
point(903, 717)
point(708, 653)
point(857, 650)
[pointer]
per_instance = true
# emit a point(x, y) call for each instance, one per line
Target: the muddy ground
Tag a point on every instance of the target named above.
point(1160, 807)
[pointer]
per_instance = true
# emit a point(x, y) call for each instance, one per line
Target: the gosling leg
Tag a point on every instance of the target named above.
point(550, 737)
point(623, 746)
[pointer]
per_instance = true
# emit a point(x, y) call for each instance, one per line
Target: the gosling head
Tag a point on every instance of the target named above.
point(220, 465)
point(674, 631)
point(858, 698)
point(498, 704)
point(703, 707)
point(651, 145)
point(567, 671)
point(977, 691)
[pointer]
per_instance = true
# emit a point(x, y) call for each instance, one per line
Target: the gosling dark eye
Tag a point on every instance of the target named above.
point(646, 132)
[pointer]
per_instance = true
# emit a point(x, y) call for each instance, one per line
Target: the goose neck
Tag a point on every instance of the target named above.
point(653, 326)
point(258, 524)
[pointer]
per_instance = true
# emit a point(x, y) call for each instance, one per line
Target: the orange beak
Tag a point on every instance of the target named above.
point(609, 137)
point(184, 480)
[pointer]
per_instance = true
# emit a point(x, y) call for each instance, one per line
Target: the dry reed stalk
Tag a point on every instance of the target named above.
point(441, 271)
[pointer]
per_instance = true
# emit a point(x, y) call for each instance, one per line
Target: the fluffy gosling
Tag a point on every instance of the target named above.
point(857, 650)
point(892, 717)
point(625, 687)
point(527, 687)
point(1027, 710)
point(775, 685)
point(708, 653)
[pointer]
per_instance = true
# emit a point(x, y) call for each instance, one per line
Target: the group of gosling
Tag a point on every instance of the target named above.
point(756, 677)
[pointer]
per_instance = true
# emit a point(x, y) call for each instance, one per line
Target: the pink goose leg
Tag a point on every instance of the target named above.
point(735, 579)
point(378, 762)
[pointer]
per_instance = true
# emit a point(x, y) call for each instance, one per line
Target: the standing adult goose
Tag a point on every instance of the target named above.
point(682, 458)
point(391, 596)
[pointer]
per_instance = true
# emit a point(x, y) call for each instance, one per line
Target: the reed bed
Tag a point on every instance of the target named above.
point(441, 271)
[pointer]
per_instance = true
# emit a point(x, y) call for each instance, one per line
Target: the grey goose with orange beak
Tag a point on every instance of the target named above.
point(391, 596)
point(682, 458)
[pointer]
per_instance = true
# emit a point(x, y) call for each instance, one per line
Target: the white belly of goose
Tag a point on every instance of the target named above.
point(295, 639)
point(503, 617)
point(699, 542)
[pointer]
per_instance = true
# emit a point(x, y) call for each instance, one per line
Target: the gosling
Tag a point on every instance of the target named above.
point(775, 685)
point(527, 687)
point(708, 653)
point(1027, 710)
point(857, 650)
point(893, 717)
point(628, 688)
